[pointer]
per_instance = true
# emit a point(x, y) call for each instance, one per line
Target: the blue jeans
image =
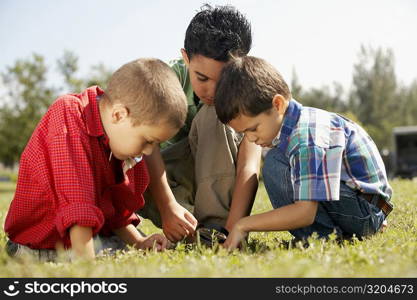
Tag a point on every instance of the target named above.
point(352, 214)
point(101, 243)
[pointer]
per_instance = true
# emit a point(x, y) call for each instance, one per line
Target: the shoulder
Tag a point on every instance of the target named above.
point(179, 67)
point(64, 116)
point(76, 103)
point(69, 103)
point(319, 129)
point(177, 64)
point(52, 131)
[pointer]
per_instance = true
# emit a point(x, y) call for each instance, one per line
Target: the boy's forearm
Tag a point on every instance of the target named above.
point(289, 217)
point(177, 222)
point(158, 185)
point(243, 197)
point(82, 243)
point(246, 185)
point(129, 235)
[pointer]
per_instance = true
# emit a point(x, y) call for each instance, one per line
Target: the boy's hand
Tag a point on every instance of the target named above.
point(384, 226)
point(177, 222)
point(131, 236)
point(235, 236)
point(156, 240)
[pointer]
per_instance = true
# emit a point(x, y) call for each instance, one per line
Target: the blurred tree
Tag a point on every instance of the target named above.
point(99, 75)
point(374, 97)
point(26, 101)
point(407, 105)
point(323, 98)
point(326, 98)
point(68, 67)
point(27, 97)
point(296, 88)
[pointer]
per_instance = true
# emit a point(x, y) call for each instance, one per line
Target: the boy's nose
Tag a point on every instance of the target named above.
point(251, 138)
point(211, 90)
point(147, 150)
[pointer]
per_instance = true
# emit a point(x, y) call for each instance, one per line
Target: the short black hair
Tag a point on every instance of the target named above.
point(247, 86)
point(218, 33)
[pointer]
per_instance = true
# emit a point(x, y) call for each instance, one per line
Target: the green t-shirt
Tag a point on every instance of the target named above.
point(181, 70)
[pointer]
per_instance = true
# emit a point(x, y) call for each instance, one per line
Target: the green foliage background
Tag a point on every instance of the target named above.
point(27, 95)
point(376, 99)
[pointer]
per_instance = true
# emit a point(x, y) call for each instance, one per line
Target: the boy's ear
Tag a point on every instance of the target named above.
point(279, 103)
point(185, 56)
point(119, 113)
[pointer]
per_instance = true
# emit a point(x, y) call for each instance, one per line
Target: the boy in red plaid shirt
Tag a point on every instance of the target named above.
point(82, 175)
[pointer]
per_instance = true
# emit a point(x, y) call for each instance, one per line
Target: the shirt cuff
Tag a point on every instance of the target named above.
point(79, 213)
point(122, 221)
point(124, 199)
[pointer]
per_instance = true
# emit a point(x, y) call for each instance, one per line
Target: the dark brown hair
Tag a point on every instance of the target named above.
point(218, 32)
point(247, 86)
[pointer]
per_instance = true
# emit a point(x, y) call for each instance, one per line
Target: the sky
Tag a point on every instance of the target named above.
point(319, 39)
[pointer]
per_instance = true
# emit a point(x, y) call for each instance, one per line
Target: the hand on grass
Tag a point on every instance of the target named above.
point(156, 240)
point(177, 222)
point(384, 226)
point(235, 237)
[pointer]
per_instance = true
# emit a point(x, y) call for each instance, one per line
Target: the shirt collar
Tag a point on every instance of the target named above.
point(90, 98)
point(290, 120)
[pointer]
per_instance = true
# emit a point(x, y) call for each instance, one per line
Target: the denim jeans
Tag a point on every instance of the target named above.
point(352, 214)
point(101, 244)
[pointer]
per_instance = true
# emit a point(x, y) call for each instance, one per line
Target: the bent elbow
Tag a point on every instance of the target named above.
point(310, 214)
point(310, 219)
point(307, 211)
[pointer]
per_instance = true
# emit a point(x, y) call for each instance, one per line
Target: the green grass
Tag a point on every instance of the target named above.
point(389, 254)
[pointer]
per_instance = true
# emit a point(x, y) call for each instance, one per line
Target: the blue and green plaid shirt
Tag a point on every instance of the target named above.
point(325, 149)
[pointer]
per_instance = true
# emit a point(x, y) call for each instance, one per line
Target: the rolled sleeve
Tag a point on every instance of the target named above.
point(125, 203)
point(74, 185)
point(79, 213)
point(122, 221)
point(315, 173)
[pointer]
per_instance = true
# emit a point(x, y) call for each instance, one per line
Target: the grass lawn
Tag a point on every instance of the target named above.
point(389, 254)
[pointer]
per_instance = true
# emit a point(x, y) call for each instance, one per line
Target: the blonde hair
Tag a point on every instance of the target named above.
point(151, 92)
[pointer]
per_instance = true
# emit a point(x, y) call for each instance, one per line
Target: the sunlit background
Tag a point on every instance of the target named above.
point(355, 57)
point(318, 39)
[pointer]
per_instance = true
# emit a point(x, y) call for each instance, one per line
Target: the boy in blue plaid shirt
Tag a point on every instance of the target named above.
point(323, 174)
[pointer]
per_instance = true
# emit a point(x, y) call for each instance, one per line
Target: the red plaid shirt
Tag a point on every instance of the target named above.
point(65, 178)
